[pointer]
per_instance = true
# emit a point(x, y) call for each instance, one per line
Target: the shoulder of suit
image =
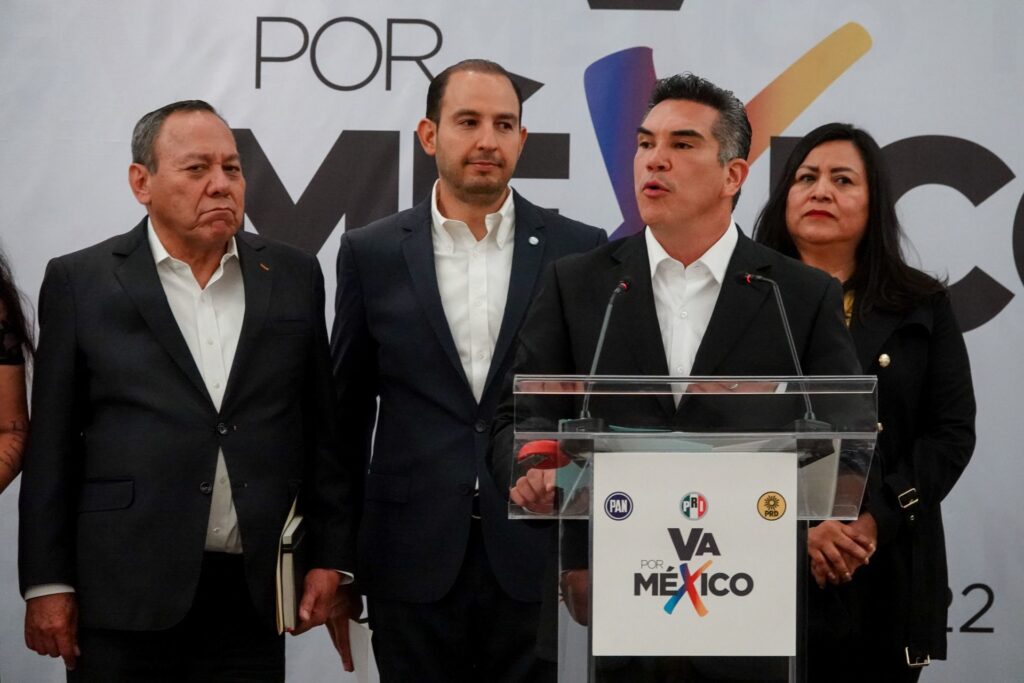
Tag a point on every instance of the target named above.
point(791, 269)
point(554, 220)
point(584, 263)
point(272, 248)
point(100, 252)
point(392, 224)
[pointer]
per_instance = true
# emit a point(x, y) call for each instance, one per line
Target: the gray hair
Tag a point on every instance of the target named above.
point(148, 128)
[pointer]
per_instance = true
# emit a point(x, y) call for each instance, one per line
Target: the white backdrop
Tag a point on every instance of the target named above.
point(75, 76)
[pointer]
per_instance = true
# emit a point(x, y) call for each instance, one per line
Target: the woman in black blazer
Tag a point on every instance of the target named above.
point(881, 610)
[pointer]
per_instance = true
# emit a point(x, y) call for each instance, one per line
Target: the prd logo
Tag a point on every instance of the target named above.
point(693, 506)
point(618, 505)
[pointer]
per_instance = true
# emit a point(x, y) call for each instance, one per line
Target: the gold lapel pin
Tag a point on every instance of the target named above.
point(264, 266)
point(884, 360)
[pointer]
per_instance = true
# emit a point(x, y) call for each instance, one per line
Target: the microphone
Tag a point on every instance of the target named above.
point(585, 423)
point(817, 448)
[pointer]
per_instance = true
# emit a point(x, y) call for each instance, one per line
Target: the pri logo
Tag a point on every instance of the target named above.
point(693, 506)
point(618, 506)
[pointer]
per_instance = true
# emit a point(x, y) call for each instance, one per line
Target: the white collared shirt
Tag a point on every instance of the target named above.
point(685, 296)
point(210, 320)
point(472, 279)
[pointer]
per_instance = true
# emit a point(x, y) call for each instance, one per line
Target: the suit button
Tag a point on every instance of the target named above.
point(884, 360)
point(465, 489)
point(880, 426)
point(480, 426)
point(222, 429)
point(206, 488)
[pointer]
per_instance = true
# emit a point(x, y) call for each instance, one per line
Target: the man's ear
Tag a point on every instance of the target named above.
point(736, 171)
point(426, 131)
point(138, 180)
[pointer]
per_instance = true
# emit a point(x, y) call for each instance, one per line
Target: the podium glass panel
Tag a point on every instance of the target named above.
point(564, 425)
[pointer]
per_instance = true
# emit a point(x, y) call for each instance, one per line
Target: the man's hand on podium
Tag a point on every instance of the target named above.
point(535, 491)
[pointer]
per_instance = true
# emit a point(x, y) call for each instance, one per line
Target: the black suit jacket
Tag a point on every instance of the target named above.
point(927, 409)
point(743, 337)
point(391, 342)
point(115, 495)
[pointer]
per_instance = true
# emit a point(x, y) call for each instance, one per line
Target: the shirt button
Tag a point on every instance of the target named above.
point(679, 369)
point(216, 385)
point(480, 426)
point(223, 480)
point(222, 429)
point(216, 529)
point(206, 488)
point(209, 342)
point(684, 314)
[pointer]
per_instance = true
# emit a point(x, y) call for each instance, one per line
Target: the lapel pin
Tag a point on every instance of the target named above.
point(264, 266)
point(533, 240)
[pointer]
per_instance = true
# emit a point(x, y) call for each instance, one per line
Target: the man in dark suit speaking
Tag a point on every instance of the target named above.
point(428, 307)
point(685, 312)
point(181, 401)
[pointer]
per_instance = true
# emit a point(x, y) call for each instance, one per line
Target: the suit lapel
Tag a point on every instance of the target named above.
point(258, 280)
point(735, 310)
point(635, 316)
point(140, 281)
point(418, 249)
point(527, 259)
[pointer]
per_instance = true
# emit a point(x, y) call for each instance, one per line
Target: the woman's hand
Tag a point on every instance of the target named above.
point(837, 550)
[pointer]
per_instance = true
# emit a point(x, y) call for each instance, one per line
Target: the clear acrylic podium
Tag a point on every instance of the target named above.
point(565, 424)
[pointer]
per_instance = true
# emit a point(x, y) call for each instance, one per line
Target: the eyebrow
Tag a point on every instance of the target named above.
point(504, 116)
point(684, 133)
point(837, 169)
point(199, 156)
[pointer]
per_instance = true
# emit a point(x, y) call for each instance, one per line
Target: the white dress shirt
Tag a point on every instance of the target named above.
point(685, 297)
point(472, 279)
point(210, 320)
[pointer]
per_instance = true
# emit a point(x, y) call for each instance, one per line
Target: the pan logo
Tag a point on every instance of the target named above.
point(618, 506)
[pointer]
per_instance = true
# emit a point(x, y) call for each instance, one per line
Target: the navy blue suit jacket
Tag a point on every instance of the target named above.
point(391, 342)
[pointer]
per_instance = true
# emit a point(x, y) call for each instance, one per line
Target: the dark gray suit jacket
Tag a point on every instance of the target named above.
point(115, 495)
point(391, 342)
point(743, 337)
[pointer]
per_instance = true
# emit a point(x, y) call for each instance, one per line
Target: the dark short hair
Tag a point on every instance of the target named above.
point(882, 280)
point(148, 128)
point(731, 130)
point(438, 84)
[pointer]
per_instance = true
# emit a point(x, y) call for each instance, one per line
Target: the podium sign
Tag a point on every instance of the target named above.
point(694, 556)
